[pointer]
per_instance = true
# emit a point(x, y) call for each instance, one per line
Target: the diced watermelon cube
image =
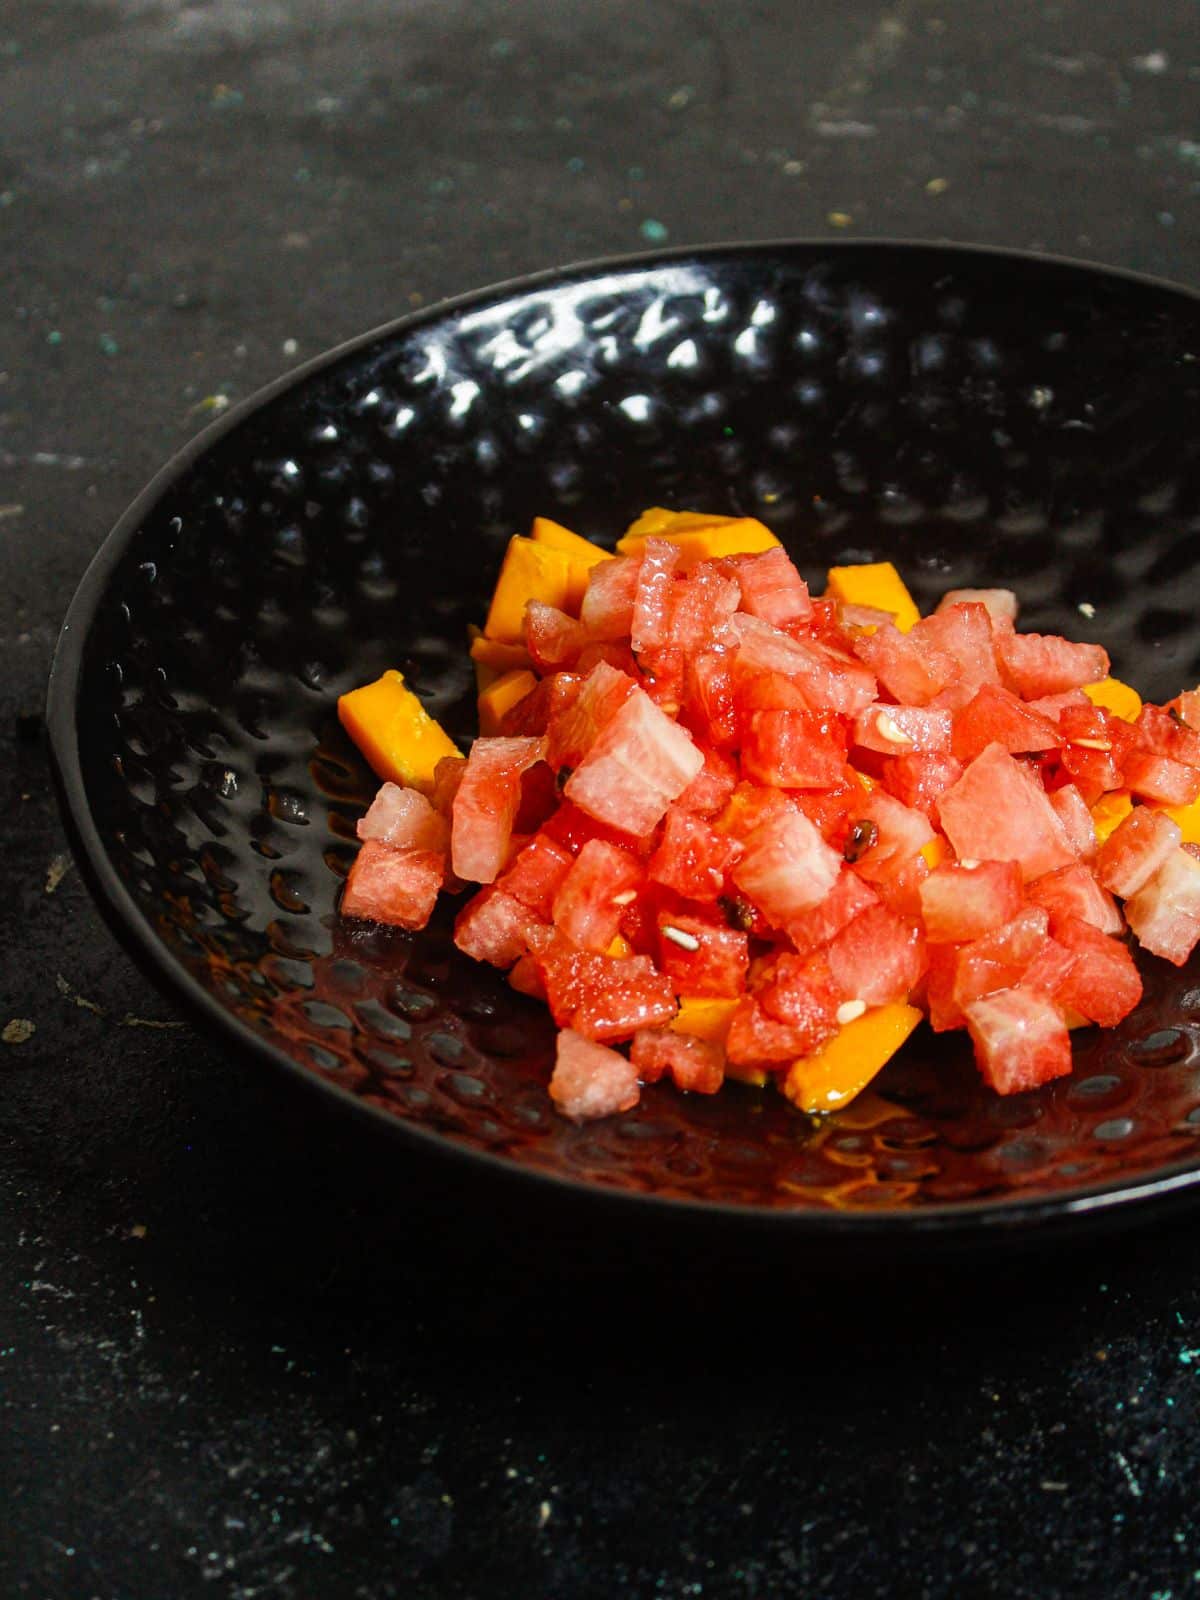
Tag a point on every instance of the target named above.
point(884, 836)
point(1020, 1038)
point(1000, 959)
point(912, 676)
point(1072, 811)
point(651, 625)
point(1036, 664)
point(574, 729)
point(996, 602)
point(398, 887)
point(613, 651)
point(1073, 892)
point(495, 927)
point(877, 958)
point(697, 1065)
point(848, 898)
point(572, 828)
point(1168, 735)
point(920, 781)
point(1049, 971)
point(525, 978)
point(1164, 913)
point(536, 873)
point(709, 707)
point(552, 638)
point(802, 994)
point(588, 905)
point(900, 890)
point(405, 819)
point(997, 811)
point(904, 730)
point(486, 805)
point(702, 956)
point(608, 601)
point(994, 716)
point(1159, 778)
point(1104, 984)
point(709, 791)
point(757, 1039)
point(1052, 706)
point(787, 867)
point(960, 903)
point(589, 1079)
point(639, 764)
point(602, 997)
point(771, 588)
point(701, 606)
point(692, 858)
point(1187, 707)
point(1135, 850)
point(963, 635)
point(533, 714)
point(794, 749)
point(829, 680)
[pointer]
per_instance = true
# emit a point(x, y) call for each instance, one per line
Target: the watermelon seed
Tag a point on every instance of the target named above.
point(737, 913)
point(860, 839)
point(850, 1011)
point(1093, 744)
point(890, 730)
point(562, 778)
point(685, 941)
point(625, 899)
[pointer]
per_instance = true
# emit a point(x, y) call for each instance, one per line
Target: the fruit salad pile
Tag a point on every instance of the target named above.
point(725, 829)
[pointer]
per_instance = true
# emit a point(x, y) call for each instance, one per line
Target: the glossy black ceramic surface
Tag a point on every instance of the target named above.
point(978, 418)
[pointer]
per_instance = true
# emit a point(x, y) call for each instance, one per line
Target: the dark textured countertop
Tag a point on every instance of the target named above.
point(242, 1356)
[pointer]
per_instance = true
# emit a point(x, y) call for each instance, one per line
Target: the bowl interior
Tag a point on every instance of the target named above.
point(979, 419)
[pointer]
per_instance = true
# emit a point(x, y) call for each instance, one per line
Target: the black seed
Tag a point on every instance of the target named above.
point(861, 837)
point(737, 913)
point(562, 778)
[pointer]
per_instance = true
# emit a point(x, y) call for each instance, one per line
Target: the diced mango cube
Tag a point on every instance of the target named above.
point(498, 655)
point(394, 731)
point(658, 520)
point(1188, 818)
point(843, 1067)
point(706, 1019)
point(708, 540)
point(620, 949)
point(935, 851)
point(876, 584)
point(502, 696)
point(1115, 696)
point(1110, 811)
point(529, 572)
point(582, 555)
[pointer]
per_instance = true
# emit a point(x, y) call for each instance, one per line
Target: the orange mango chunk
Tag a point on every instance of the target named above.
point(1113, 695)
point(658, 520)
point(1188, 818)
point(391, 727)
point(710, 1019)
point(935, 851)
point(582, 555)
point(501, 696)
point(529, 572)
point(856, 1053)
point(706, 540)
point(876, 584)
point(620, 949)
point(1109, 812)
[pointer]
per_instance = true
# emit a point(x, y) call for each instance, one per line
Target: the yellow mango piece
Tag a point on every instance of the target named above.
point(582, 555)
point(935, 852)
point(843, 1067)
point(864, 780)
point(620, 949)
point(1115, 696)
point(658, 520)
point(1109, 812)
point(498, 655)
point(502, 696)
point(876, 584)
point(707, 1019)
point(394, 731)
point(1188, 818)
point(733, 536)
point(529, 572)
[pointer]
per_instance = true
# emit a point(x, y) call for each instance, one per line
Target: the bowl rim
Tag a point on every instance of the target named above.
point(133, 931)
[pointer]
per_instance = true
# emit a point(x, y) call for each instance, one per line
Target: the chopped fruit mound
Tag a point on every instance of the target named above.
point(725, 828)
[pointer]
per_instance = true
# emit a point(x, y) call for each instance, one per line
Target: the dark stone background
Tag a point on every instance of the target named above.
point(240, 1354)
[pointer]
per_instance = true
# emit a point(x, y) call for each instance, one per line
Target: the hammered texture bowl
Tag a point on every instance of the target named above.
point(978, 418)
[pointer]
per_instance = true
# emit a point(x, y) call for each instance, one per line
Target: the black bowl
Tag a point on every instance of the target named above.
point(979, 417)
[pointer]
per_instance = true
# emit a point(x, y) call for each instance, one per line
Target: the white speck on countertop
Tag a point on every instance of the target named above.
point(1086, 609)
